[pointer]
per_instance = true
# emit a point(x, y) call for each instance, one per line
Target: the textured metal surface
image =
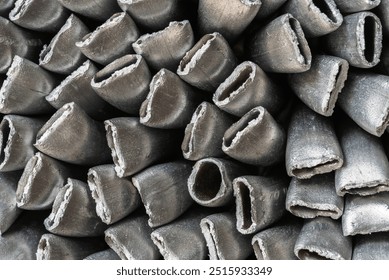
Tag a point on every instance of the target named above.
point(356, 5)
point(371, 247)
point(95, 9)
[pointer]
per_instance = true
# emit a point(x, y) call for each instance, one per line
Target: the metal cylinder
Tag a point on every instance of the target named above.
point(373, 246)
point(208, 63)
point(320, 86)
point(268, 7)
point(280, 46)
point(102, 46)
point(358, 40)
point(96, 9)
point(239, 139)
point(87, 148)
point(356, 5)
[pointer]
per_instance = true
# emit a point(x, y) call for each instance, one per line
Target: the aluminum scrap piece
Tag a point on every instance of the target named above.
point(130, 239)
point(39, 15)
point(22, 239)
point(17, 135)
point(365, 99)
point(111, 40)
point(170, 102)
point(314, 197)
point(256, 126)
point(373, 246)
point(25, 89)
point(320, 239)
point(320, 86)
point(163, 190)
point(77, 88)
point(98, 10)
point(54, 247)
point(224, 241)
point(208, 63)
point(317, 18)
point(276, 243)
point(87, 148)
point(268, 7)
point(260, 202)
point(366, 214)
point(9, 211)
point(124, 83)
point(166, 48)
point(16, 41)
point(204, 133)
point(358, 40)
point(135, 146)
point(247, 87)
point(383, 13)
point(182, 238)
point(229, 18)
point(366, 167)
point(312, 146)
point(115, 197)
point(40, 182)
point(62, 56)
point(73, 213)
point(346, 6)
point(107, 254)
point(281, 46)
point(210, 183)
point(152, 15)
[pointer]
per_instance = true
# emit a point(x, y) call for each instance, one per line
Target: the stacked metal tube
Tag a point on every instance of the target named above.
point(183, 130)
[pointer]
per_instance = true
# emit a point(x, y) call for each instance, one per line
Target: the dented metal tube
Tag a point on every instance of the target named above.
point(356, 5)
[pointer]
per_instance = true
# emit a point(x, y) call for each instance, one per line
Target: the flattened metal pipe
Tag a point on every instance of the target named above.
point(371, 247)
point(164, 186)
point(247, 87)
point(166, 48)
point(366, 167)
point(281, 47)
point(276, 243)
point(17, 135)
point(115, 197)
point(39, 15)
point(208, 63)
point(315, 197)
point(62, 56)
point(77, 88)
point(135, 146)
point(130, 239)
point(356, 5)
point(182, 239)
point(204, 133)
point(25, 89)
point(365, 99)
point(312, 146)
point(320, 239)
point(54, 247)
point(383, 13)
point(268, 7)
point(16, 41)
point(150, 14)
point(210, 183)
point(9, 211)
point(365, 214)
point(320, 86)
point(358, 40)
point(102, 45)
point(256, 125)
point(21, 241)
point(87, 148)
point(95, 9)
point(260, 202)
point(229, 18)
point(40, 182)
point(73, 213)
point(124, 83)
point(317, 17)
point(108, 254)
point(170, 102)
point(224, 241)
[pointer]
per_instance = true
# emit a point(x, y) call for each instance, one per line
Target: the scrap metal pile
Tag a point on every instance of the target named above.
point(194, 129)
